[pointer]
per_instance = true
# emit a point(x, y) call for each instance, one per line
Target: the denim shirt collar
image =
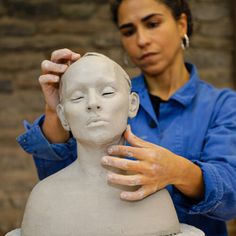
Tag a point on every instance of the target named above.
point(184, 95)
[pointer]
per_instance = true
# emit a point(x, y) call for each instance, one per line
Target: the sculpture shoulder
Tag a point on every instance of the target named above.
point(44, 202)
point(36, 209)
point(41, 197)
point(43, 190)
point(52, 185)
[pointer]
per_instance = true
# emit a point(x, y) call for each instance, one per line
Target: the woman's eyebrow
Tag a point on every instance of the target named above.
point(127, 25)
point(145, 18)
point(150, 16)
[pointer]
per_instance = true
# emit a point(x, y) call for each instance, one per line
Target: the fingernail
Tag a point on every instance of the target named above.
point(63, 67)
point(55, 78)
point(111, 149)
point(129, 154)
point(128, 128)
point(109, 176)
point(75, 56)
point(104, 161)
point(123, 195)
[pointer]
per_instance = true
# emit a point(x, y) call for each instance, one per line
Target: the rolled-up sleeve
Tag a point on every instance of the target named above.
point(49, 158)
point(218, 165)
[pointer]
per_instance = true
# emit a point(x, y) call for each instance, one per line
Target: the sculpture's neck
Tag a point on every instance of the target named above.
point(90, 155)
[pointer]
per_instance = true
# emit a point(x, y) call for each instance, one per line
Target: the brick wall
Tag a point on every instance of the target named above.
point(31, 29)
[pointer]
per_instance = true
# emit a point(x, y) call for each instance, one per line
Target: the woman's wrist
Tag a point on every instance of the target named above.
point(189, 179)
point(52, 128)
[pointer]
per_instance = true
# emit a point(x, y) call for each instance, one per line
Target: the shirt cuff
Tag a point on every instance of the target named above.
point(34, 142)
point(212, 196)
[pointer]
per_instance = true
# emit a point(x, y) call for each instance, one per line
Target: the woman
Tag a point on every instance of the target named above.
point(192, 124)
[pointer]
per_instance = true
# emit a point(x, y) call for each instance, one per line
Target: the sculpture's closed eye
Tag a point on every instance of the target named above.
point(76, 99)
point(107, 93)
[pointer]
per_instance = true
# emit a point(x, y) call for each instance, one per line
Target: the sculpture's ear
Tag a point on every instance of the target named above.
point(133, 104)
point(61, 115)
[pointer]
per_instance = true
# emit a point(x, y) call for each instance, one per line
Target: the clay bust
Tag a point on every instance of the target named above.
point(95, 104)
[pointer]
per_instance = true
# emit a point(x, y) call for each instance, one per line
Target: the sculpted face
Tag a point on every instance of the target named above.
point(96, 100)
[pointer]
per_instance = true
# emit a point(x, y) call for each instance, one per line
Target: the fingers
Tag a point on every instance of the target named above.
point(125, 151)
point(51, 67)
point(131, 165)
point(134, 140)
point(140, 194)
point(60, 60)
point(128, 180)
point(138, 153)
point(48, 78)
point(123, 164)
point(64, 55)
point(51, 72)
point(146, 172)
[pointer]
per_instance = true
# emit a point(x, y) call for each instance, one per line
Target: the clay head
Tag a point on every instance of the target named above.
point(95, 99)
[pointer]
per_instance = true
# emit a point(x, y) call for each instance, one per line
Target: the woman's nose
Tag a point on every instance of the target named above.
point(143, 38)
point(93, 102)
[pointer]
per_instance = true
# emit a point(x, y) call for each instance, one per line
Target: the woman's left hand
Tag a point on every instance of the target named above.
point(155, 167)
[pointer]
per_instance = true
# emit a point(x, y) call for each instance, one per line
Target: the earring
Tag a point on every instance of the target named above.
point(127, 61)
point(185, 42)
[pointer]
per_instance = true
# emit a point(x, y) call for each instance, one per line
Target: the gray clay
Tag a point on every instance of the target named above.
point(95, 105)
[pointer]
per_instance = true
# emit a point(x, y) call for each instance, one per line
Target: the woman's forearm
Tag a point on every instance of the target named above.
point(52, 128)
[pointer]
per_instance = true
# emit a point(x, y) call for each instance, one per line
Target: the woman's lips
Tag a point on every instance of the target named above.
point(147, 55)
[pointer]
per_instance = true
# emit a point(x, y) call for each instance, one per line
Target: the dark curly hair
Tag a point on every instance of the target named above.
point(177, 7)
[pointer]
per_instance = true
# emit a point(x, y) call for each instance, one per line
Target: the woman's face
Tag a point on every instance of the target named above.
point(150, 34)
point(96, 100)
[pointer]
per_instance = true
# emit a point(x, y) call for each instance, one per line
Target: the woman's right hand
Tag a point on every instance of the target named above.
point(49, 81)
point(51, 73)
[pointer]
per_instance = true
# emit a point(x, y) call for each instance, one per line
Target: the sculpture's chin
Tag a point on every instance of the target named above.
point(101, 137)
point(102, 141)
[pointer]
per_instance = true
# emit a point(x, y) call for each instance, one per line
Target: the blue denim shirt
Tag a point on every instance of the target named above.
point(198, 122)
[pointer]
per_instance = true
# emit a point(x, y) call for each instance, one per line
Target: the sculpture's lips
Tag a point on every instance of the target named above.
point(96, 121)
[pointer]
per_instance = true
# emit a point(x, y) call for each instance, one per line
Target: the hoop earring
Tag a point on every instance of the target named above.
point(185, 42)
point(127, 61)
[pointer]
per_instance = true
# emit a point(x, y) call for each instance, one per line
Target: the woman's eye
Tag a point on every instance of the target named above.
point(128, 32)
point(153, 24)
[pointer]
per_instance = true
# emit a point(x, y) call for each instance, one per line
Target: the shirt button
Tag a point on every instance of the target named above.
point(152, 124)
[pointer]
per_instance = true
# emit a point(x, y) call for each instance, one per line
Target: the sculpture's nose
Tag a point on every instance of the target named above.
point(93, 102)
